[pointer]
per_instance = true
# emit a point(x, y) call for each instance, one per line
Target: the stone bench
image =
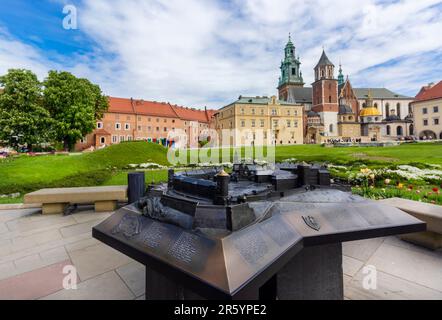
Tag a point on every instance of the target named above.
point(429, 213)
point(55, 201)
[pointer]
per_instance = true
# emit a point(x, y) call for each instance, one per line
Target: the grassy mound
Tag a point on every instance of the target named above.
point(25, 174)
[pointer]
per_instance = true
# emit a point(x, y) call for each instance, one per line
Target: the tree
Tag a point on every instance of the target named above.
point(74, 104)
point(23, 118)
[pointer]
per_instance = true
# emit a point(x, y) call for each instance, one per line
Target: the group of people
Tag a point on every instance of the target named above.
point(344, 140)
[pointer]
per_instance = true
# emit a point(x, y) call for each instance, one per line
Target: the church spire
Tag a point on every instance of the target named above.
point(341, 75)
point(290, 67)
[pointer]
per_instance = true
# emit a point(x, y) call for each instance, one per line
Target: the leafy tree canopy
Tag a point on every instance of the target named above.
point(23, 118)
point(74, 104)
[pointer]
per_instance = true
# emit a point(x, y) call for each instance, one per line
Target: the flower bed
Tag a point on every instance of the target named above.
point(419, 182)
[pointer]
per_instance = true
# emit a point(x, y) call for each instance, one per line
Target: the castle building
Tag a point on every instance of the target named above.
point(260, 121)
point(427, 112)
point(336, 110)
point(140, 120)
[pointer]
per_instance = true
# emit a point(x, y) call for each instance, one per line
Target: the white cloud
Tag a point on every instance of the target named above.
point(198, 52)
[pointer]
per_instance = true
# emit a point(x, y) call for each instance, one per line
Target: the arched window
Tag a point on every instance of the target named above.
point(329, 99)
point(411, 130)
point(440, 136)
point(398, 110)
point(331, 128)
point(388, 130)
point(387, 109)
point(376, 105)
point(364, 105)
point(400, 131)
point(322, 74)
point(102, 140)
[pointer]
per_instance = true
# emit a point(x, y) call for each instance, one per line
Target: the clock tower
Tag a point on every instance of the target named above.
point(291, 75)
point(325, 95)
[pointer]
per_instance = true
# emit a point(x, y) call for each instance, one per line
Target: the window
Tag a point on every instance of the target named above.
point(127, 126)
point(243, 124)
point(262, 112)
point(262, 123)
point(158, 120)
point(128, 118)
point(158, 129)
point(288, 112)
point(329, 99)
point(388, 130)
point(275, 123)
point(165, 129)
point(242, 111)
point(114, 139)
point(149, 129)
point(425, 111)
point(293, 71)
point(99, 125)
point(331, 128)
point(121, 138)
point(253, 111)
point(436, 122)
point(165, 120)
point(102, 140)
point(253, 123)
point(129, 138)
point(435, 109)
point(274, 112)
point(139, 118)
point(149, 119)
point(139, 128)
point(289, 123)
point(295, 125)
point(425, 122)
point(173, 121)
point(118, 126)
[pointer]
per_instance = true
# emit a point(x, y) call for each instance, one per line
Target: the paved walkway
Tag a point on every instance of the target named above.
point(34, 250)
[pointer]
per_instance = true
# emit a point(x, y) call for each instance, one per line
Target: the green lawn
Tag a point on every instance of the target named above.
point(109, 166)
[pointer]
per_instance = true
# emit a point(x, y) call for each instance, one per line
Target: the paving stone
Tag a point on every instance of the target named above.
point(134, 275)
point(396, 241)
point(361, 250)
point(54, 255)
point(35, 284)
point(9, 215)
point(7, 270)
point(42, 248)
point(21, 243)
point(39, 222)
point(351, 266)
point(389, 288)
point(89, 242)
point(3, 228)
point(98, 259)
point(108, 286)
point(79, 228)
point(422, 268)
point(83, 217)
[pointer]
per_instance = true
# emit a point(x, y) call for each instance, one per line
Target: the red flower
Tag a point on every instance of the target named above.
point(436, 190)
point(410, 187)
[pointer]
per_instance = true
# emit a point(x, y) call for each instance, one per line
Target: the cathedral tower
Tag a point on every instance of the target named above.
point(325, 95)
point(291, 75)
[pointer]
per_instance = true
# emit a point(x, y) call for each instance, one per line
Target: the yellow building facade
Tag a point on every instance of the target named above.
point(260, 121)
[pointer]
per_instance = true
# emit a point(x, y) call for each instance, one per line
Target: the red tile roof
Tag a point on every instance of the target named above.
point(429, 93)
point(158, 109)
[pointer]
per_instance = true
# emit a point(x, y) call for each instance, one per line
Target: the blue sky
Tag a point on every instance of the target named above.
point(206, 52)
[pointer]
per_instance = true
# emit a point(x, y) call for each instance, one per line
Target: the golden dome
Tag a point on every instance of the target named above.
point(370, 112)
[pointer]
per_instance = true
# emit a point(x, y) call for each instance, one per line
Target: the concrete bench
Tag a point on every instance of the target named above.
point(429, 213)
point(55, 201)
